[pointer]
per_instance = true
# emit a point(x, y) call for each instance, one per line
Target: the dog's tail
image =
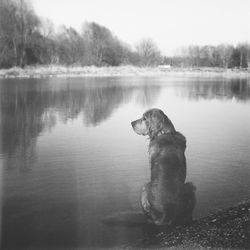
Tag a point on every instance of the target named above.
point(125, 218)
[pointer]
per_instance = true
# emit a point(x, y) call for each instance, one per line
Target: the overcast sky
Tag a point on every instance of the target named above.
point(170, 23)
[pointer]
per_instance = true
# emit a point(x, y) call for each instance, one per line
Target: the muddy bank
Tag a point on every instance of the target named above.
point(226, 229)
point(92, 71)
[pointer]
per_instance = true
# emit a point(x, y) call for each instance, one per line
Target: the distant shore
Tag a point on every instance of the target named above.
point(93, 71)
point(225, 229)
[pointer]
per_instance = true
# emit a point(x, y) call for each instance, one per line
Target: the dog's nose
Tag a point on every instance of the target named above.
point(133, 123)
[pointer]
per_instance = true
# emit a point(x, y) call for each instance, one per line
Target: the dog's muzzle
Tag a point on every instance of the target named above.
point(133, 124)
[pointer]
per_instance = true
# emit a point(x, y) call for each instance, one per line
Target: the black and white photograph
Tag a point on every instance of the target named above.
point(124, 124)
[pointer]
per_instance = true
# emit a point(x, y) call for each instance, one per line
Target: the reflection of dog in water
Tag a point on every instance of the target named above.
point(166, 199)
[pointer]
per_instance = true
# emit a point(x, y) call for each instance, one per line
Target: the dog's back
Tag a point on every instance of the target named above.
point(167, 157)
point(168, 174)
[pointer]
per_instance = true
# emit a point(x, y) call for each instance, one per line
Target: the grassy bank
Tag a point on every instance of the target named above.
point(92, 71)
point(225, 229)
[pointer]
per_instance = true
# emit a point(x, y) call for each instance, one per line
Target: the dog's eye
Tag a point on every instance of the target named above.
point(143, 118)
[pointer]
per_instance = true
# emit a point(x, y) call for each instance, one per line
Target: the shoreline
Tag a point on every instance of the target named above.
point(224, 229)
point(119, 71)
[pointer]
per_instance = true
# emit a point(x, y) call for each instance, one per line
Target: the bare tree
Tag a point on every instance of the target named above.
point(225, 52)
point(17, 24)
point(149, 53)
point(9, 31)
point(70, 46)
point(28, 22)
point(243, 50)
point(102, 47)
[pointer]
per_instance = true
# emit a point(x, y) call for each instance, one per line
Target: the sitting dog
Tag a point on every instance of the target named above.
point(166, 199)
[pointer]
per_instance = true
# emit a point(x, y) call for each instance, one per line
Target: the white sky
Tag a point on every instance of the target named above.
point(170, 23)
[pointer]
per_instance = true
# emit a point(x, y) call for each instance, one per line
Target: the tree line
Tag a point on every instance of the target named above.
point(223, 56)
point(26, 39)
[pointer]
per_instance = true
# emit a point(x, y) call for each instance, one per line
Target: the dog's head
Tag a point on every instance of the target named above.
point(153, 123)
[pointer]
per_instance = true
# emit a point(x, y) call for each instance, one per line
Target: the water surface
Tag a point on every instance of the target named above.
point(70, 157)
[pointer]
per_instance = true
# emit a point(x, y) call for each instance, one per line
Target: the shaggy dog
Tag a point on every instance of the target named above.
point(166, 199)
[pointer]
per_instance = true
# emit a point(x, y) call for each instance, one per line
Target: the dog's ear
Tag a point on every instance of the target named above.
point(160, 123)
point(167, 125)
point(153, 130)
point(156, 124)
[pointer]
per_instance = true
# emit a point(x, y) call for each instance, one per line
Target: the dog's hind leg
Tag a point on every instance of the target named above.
point(153, 216)
point(144, 198)
point(145, 203)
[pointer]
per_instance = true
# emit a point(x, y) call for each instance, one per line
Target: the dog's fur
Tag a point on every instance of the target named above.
point(166, 199)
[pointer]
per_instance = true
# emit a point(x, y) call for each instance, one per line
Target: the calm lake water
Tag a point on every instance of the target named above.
point(70, 157)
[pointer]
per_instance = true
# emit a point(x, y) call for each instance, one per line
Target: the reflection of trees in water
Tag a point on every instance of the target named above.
point(238, 89)
point(101, 102)
point(149, 95)
point(28, 108)
point(21, 120)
